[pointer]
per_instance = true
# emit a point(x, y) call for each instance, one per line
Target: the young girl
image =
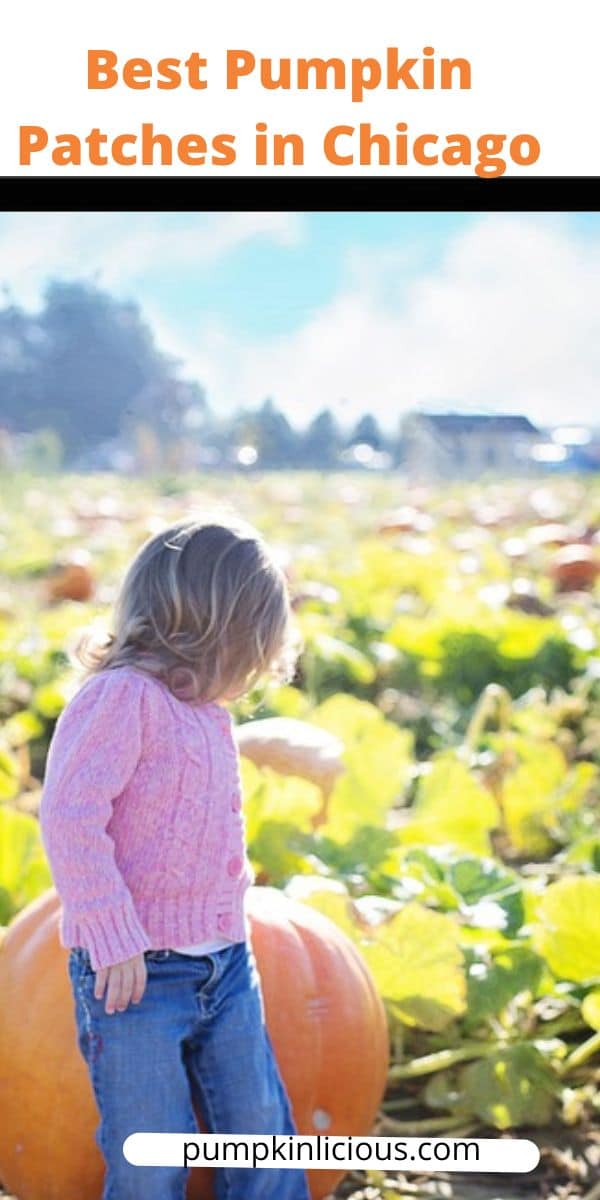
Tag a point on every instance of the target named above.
point(141, 820)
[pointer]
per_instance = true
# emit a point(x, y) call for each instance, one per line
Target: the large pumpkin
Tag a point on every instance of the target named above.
point(325, 1018)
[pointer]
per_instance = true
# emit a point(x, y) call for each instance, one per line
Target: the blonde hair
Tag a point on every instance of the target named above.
point(204, 607)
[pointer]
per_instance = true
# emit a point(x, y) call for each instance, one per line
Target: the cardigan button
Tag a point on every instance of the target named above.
point(224, 922)
point(236, 802)
point(234, 867)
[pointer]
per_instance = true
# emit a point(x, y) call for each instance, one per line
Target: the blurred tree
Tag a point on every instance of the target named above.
point(277, 443)
point(88, 367)
point(20, 377)
point(42, 452)
point(146, 447)
point(101, 367)
point(321, 442)
point(241, 429)
point(269, 432)
point(367, 431)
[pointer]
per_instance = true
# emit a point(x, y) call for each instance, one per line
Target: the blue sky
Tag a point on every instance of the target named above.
point(362, 312)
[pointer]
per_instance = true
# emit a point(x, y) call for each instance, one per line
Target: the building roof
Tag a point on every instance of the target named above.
point(500, 423)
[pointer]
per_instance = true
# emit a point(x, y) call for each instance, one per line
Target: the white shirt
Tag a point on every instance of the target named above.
point(204, 947)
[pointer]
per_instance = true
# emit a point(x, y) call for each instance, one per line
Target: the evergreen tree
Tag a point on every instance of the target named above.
point(367, 431)
point(321, 442)
point(276, 441)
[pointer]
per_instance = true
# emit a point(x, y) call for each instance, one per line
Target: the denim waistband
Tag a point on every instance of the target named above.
point(82, 955)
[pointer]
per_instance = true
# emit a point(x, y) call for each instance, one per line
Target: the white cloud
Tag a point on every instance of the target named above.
point(34, 246)
point(508, 320)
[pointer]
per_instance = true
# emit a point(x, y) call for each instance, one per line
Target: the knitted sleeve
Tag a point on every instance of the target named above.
point(94, 751)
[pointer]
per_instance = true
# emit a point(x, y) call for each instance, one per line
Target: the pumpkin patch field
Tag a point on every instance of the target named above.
point(422, 805)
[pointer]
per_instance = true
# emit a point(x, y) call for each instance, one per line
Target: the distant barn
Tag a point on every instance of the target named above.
point(466, 445)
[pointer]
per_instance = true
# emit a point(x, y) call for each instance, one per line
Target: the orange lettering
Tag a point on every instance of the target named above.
point(101, 69)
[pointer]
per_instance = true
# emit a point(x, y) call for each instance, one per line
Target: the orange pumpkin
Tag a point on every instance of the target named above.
point(70, 579)
point(324, 1015)
point(575, 568)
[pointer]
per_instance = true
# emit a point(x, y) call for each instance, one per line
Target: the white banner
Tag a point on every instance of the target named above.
point(324, 1151)
point(428, 89)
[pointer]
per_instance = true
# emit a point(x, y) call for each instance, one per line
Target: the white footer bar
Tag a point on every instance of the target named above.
point(326, 1152)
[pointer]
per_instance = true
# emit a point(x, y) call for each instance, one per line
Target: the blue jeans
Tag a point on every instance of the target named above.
point(198, 1034)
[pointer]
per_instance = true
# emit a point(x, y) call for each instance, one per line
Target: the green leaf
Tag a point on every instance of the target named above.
point(9, 775)
point(24, 871)
point(363, 853)
point(290, 702)
point(415, 957)
point(347, 717)
point(576, 786)
point(534, 792)
point(419, 965)
point(492, 895)
point(493, 981)
point(335, 652)
point(377, 757)
point(51, 698)
point(511, 1088)
point(585, 850)
point(278, 850)
point(451, 808)
point(567, 930)
point(590, 1009)
point(22, 727)
point(278, 812)
point(269, 796)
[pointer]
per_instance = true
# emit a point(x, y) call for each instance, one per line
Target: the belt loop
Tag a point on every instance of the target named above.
point(215, 974)
point(218, 960)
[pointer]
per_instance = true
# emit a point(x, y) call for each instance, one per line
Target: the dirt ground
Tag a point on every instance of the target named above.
point(569, 1169)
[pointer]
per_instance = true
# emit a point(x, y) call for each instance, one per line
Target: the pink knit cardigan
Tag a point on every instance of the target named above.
point(141, 819)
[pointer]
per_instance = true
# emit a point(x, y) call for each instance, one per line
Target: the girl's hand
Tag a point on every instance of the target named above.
point(126, 983)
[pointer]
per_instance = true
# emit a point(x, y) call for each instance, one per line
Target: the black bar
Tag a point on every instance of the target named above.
point(250, 193)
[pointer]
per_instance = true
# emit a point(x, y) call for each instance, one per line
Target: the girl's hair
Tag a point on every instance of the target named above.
point(203, 607)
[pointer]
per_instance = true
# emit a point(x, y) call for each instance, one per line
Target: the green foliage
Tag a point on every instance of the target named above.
point(414, 955)
point(451, 808)
point(511, 649)
point(497, 978)
point(22, 727)
point(278, 812)
point(590, 1009)
point(471, 660)
point(331, 664)
point(459, 852)
point(567, 930)
point(9, 775)
point(24, 872)
point(514, 1087)
point(510, 1087)
point(377, 757)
